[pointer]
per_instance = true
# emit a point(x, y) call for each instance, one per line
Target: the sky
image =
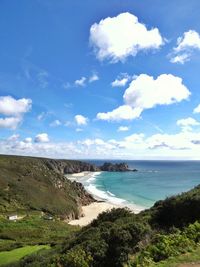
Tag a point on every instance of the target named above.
point(115, 79)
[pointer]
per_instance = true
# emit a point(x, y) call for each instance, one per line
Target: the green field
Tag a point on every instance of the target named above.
point(15, 255)
point(33, 230)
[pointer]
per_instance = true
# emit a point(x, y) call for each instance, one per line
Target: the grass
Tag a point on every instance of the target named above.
point(33, 230)
point(192, 257)
point(15, 255)
point(28, 184)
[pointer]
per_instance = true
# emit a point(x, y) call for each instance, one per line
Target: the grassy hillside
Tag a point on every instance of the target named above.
point(28, 183)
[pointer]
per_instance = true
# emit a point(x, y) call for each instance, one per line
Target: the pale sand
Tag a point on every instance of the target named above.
point(91, 212)
point(80, 174)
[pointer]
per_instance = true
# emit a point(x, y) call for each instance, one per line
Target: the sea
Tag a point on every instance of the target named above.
point(154, 180)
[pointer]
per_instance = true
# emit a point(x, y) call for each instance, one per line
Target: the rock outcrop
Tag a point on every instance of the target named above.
point(118, 167)
point(70, 166)
point(84, 197)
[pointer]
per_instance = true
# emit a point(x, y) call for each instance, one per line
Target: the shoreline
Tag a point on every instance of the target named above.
point(91, 211)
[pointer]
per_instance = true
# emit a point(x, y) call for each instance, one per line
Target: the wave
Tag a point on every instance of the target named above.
point(111, 194)
point(107, 196)
point(103, 195)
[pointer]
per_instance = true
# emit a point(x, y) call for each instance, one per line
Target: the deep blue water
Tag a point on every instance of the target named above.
point(154, 180)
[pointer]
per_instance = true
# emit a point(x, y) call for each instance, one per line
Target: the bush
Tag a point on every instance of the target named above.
point(76, 257)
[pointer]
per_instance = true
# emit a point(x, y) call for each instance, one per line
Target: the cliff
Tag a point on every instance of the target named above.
point(28, 183)
point(69, 166)
point(118, 167)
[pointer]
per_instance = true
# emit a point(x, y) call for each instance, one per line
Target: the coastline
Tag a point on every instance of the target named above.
point(91, 211)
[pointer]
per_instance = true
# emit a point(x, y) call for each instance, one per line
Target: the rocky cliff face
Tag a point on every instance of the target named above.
point(118, 167)
point(70, 166)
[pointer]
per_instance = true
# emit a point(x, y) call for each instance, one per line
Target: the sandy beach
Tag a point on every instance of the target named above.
point(91, 211)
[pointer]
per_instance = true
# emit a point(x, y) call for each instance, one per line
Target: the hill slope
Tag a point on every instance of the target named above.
point(28, 183)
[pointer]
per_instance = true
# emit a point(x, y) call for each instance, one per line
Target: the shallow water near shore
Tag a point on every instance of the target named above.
point(154, 180)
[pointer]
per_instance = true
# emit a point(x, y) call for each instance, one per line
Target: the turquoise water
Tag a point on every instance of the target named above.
point(154, 180)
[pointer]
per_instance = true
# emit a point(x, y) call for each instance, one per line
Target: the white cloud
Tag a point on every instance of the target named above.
point(179, 141)
point(42, 138)
point(124, 112)
point(81, 81)
point(28, 140)
point(180, 58)
point(145, 92)
point(14, 137)
point(186, 44)
point(182, 145)
point(121, 81)
point(190, 39)
point(55, 123)
point(93, 78)
point(10, 122)
point(81, 120)
point(12, 107)
point(118, 37)
point(123, 129)
point(197, 109)
point(187, 122)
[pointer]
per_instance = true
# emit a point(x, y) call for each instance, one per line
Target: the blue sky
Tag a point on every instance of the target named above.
point(100, 79)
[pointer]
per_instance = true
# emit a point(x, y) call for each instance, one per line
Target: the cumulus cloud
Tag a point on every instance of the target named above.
point(121, 81)
point(10, 122)
point(14, 110)
point(118, 37)
point(81, 120)
point(197, 109)
point(28, 140)
point(81, 81)
point(187, 123)
point(186, 44)
point(42, 138)
point(124, 112)
point(145, 92)
point(123, 129)
point(12, 107)
point(180, 145)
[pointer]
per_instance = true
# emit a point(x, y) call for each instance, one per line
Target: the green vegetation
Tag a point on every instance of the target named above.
point(192, 257)
point(119, 238)
point(33, 230)
point(16, 254)
point(28, 184)
point(163, 236)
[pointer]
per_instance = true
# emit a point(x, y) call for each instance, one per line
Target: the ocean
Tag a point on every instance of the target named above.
point(155, 180)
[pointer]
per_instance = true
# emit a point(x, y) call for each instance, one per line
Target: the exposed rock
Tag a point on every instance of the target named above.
point(68, 167)
point(84, 197)
point(118, 167)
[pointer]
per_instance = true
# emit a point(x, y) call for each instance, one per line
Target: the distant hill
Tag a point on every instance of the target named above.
point(28, 183)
